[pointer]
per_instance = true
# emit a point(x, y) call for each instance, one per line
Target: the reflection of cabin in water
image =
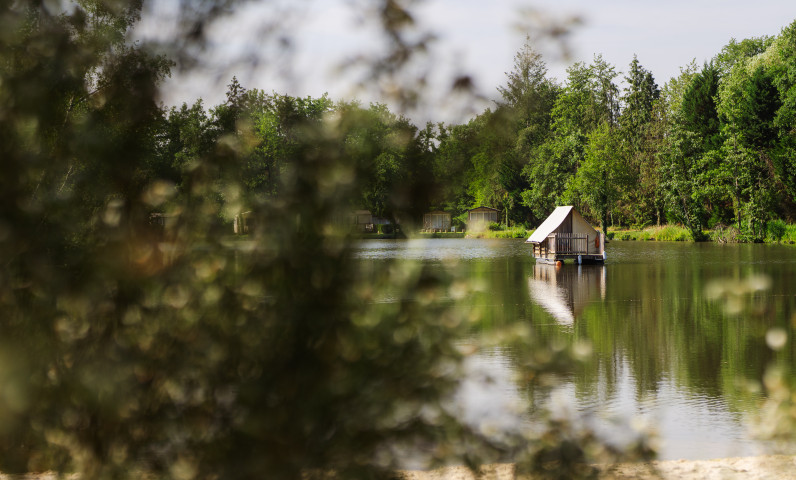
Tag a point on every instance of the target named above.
point(437, 221)
point(565, 292)
point(479, 218)
point(565, 234)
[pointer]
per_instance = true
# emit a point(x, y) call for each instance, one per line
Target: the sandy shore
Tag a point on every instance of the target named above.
point(770, 467)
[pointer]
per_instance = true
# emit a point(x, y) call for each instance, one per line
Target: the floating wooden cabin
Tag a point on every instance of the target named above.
point(480, 217)
point(566, 235)
point(437, 221)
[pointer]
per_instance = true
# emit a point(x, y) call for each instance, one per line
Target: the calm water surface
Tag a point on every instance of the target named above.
point(665, 352)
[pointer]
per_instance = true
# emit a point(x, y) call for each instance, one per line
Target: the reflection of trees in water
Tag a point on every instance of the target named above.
point(656, 334)
point(657, 322)
point(649, 322)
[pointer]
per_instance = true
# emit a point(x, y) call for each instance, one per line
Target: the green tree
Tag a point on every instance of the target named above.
point(530, 94)
point(276, 127)
point(639, 99)
point(605, 92)
point(600, 177)
point(528, 97)
point(749, 103)
point(784, 157)
point(549, 171)
point(680, 167)
point(640, 191)
point(588, 100)
point(451, 167)
point(698, 112)
point(480, 157)
point(691, 152)
point(184, 136)
point(736, 51)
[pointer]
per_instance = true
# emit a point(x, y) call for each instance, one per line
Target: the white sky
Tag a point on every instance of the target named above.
point(478, 37)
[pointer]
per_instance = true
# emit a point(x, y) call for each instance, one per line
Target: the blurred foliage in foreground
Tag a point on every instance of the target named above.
point(775, 421)
point(129, 348)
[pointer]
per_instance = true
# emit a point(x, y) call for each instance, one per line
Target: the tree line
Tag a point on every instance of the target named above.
point(712, 148)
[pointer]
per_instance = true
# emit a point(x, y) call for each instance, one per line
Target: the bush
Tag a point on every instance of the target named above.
point(494, 227)
point(460, 222)
point(776, 230)
point(724, 234)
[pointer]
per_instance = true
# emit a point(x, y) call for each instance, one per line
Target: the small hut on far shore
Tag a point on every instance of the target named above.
point(437, 221)
point(479, 218)
point(565, 234)
point(362, 220)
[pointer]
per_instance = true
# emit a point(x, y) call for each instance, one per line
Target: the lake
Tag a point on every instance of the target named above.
point(677, 333)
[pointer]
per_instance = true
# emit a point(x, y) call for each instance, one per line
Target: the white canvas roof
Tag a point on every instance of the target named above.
point(550, 224)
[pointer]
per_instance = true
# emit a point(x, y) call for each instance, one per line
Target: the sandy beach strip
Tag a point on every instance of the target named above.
point(767, 467)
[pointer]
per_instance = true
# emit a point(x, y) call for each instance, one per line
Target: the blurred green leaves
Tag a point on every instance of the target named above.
point(138, 338)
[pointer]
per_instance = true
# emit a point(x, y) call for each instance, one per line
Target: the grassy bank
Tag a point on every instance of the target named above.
point(439, 235)
point(381, 236)
point(508, 233)
point(675, 233)
point(666, 233)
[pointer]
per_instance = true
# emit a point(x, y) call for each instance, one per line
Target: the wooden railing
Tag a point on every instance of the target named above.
point(569, 243)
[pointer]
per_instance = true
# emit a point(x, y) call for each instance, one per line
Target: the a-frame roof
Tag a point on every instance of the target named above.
point(550, 224)
point(483, 208)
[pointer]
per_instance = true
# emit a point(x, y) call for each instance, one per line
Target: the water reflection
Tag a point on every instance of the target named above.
point(440, 249)
point(489, 399)
point(565, 291)
point(665, 346)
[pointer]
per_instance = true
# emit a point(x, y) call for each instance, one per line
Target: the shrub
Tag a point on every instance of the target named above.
point(776, 229)
point(724, 234)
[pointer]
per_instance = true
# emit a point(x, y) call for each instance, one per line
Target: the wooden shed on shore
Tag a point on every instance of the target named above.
point(437, 221)
point(566, 235)
point(362, 220)
point(480, 217)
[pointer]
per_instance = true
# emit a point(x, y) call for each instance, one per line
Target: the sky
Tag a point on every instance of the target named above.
point(474, 37)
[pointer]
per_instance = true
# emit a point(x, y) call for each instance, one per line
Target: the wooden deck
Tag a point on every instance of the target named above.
point(560, 247)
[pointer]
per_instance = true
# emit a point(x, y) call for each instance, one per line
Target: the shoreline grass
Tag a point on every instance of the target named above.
point(676, 233)
point(663, 233)
point(516, 232)
point(439, 235)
